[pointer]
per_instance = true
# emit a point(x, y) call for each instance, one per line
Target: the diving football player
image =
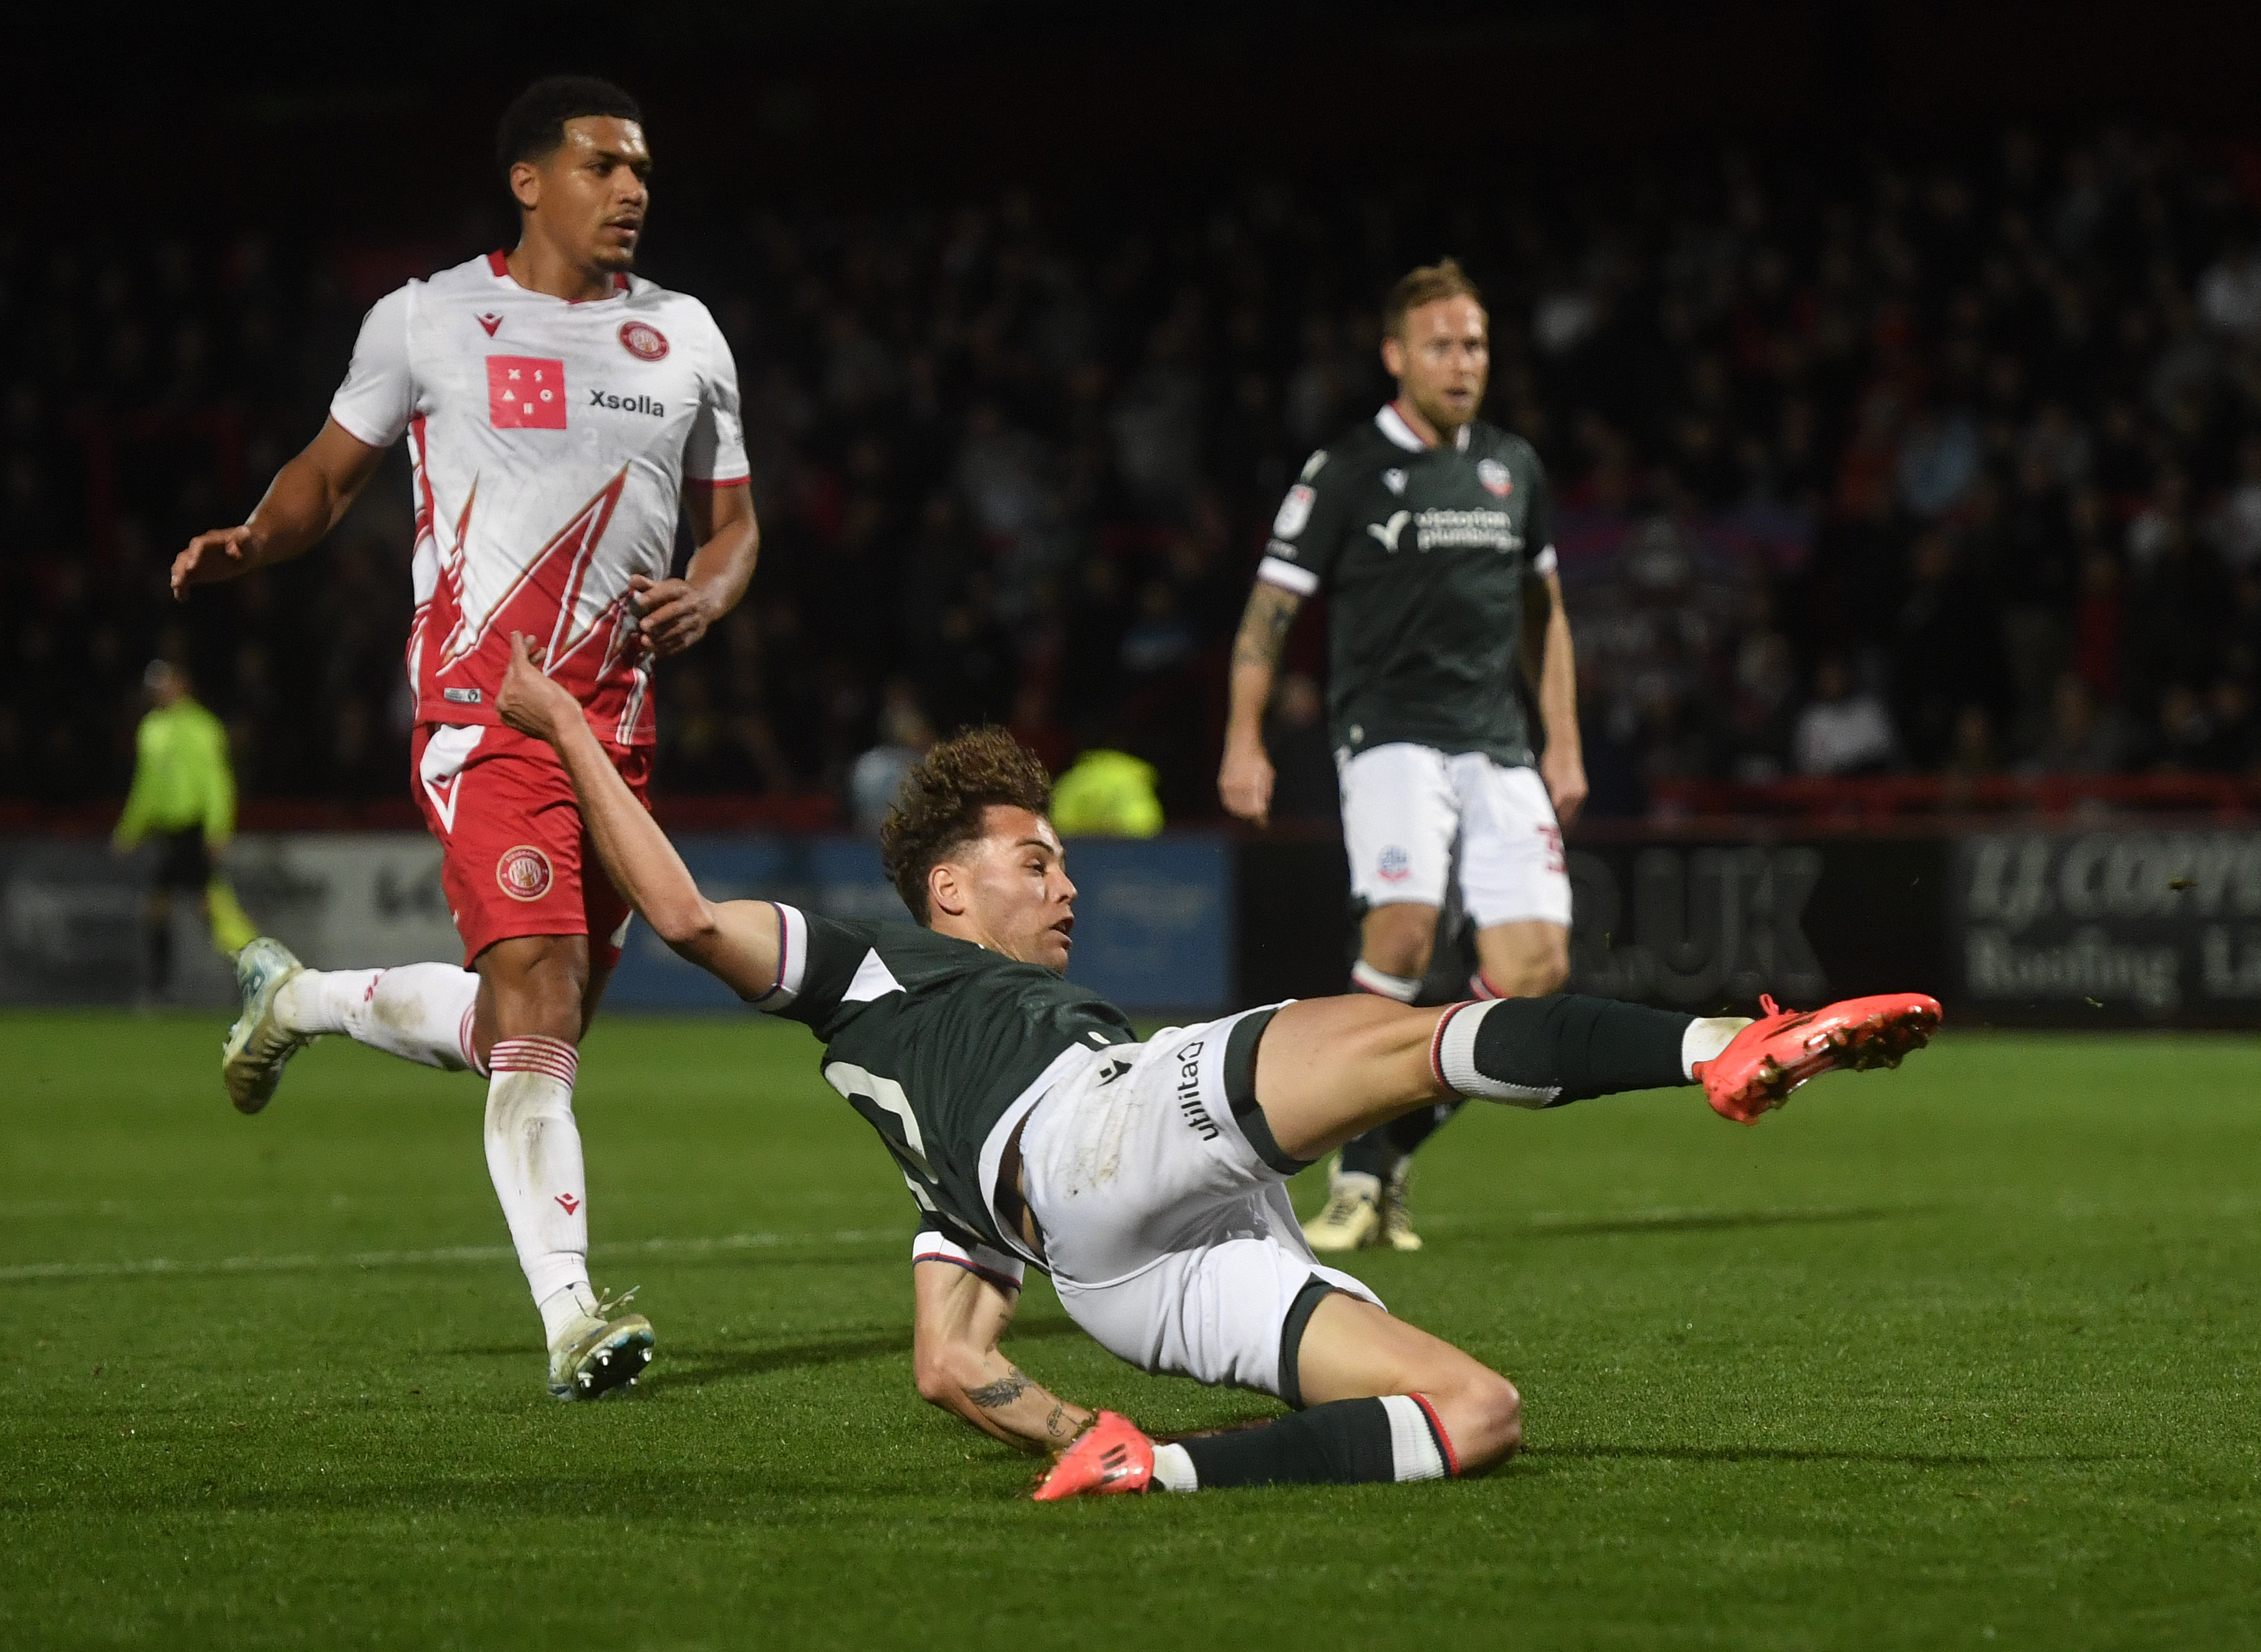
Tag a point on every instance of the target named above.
point(1034, 1126)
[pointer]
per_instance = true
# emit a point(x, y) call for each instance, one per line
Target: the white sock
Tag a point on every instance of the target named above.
point(564, 1308)
point(421, 1012)
point(1364, 1183)
point(1706, 1037)
point(1174, 1470)
point(1452, 1057)
point(1366, 979)
point(1412, 1441)
point(533, 1153)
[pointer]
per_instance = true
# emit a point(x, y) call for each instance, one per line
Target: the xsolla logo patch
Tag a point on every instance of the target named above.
point(642, 340)
point(526, 392)
point(523, 873)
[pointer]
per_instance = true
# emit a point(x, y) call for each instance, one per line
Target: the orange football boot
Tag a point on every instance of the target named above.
point(1109, 1456)
point(1774, 1055)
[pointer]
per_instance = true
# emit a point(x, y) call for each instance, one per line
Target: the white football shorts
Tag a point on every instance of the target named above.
point(1166, 1220)
point(1406, 808)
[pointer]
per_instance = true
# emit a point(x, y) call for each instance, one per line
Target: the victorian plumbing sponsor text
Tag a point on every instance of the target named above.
point(2147, 916)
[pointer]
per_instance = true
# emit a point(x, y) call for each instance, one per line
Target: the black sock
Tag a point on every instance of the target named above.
point(1374, 1153)
point(1383, 1148)
point(1344, 1442)
point(1409, 1131)
point(1543, 1051)
point(161, 953)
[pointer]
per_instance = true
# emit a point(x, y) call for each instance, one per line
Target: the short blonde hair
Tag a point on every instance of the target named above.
point(1443, 279)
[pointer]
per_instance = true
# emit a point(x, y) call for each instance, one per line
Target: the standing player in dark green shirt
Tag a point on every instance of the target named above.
point(1149, 1177)
point(1431, 532)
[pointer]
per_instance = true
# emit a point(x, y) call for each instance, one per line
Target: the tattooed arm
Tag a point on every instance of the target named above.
point(961, 1317)
point(1245, 779)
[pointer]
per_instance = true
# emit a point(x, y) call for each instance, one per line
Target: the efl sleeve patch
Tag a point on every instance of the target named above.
point(1294, 510)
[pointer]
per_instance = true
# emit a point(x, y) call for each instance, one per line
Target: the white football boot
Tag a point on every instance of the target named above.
point(593, 1355)
point(1352, 1218)
point(253, 1058)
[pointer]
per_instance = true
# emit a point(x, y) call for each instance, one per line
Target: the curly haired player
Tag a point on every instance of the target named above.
point(1034, 1126)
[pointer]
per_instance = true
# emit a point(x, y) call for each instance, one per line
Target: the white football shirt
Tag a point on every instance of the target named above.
point(552, 442)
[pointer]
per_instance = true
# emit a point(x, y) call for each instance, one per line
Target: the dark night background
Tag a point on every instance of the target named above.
point(1898, 367)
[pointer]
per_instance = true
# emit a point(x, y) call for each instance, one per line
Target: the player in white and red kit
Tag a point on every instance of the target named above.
point(561, 413)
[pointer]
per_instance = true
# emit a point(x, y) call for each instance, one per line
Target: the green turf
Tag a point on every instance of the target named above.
point(1954, 1356)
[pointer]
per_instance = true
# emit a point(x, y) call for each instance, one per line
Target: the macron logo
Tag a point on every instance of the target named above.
point(1387, 532)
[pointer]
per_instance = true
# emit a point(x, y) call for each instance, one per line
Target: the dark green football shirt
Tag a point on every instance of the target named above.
point(1422, 552)
point(932, 1039)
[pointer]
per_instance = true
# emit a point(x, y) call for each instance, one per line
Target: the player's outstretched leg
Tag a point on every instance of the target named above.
point(1328, 1068)
point(420, 1012)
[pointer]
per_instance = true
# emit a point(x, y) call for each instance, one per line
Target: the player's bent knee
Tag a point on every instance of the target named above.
point(935, 1384)
point(1485, 1421)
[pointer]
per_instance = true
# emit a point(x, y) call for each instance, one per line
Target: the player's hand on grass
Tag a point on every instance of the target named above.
point(675, 612)
point(531, 702)
point(1244, 782)
point(222, 554)
point(1565, 775)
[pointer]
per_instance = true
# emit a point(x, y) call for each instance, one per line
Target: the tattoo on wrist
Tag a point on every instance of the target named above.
point(1003, 1391)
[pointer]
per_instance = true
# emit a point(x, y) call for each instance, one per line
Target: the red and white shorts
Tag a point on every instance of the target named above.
point(518, 860)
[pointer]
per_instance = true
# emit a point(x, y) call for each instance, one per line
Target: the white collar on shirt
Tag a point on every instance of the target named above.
point(1393, 425)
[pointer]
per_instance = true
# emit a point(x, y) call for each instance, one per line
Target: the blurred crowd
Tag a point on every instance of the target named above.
point(1877, 463)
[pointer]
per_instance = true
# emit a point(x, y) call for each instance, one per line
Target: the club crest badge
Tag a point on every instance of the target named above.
point(1495, 477)
point(642, 340)
point(523, 873)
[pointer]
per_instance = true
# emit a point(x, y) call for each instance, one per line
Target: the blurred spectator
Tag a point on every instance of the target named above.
point(1973, 753)
point(2229, 292)
point(877, 777)
point(1843, 730)
point(2084, 737)
point(2233, 742)
point(2237, 524)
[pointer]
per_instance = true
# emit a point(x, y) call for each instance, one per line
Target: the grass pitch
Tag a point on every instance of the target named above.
point(1955, 1356)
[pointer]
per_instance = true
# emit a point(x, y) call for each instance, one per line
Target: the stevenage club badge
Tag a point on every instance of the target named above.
point(642, 340)
point(1495, 477)
point(523, 873)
